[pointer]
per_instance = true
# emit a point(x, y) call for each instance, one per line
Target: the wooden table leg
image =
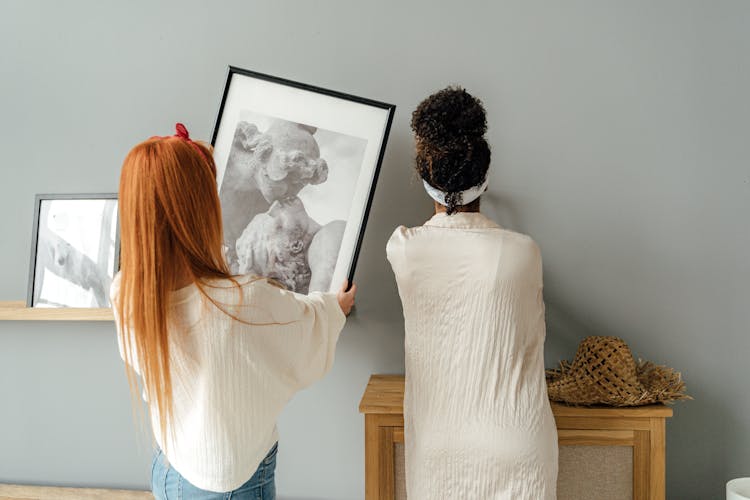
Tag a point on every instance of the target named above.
point(372, 459)
point(641, 465)
point(657, 452)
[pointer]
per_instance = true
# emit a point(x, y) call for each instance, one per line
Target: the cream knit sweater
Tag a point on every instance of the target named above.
point(231, 380)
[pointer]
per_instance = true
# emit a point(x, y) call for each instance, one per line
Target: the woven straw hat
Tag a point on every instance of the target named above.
point(605, 372)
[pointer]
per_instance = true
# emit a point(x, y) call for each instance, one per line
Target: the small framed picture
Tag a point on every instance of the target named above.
point(296, 170)
point(74, 250)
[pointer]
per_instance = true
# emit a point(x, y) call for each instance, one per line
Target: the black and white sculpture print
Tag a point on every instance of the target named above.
point(286, 197)
point(75, 250)
point(296, 170)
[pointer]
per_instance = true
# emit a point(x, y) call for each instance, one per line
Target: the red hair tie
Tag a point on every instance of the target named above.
point(182, 133)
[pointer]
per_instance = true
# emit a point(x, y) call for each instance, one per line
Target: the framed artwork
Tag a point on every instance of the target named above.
point(74, 250)
point(296, 170)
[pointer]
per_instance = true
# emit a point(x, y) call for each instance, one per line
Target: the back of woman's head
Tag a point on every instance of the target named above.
point(452, 153)
point(170, 227)
point(169, 207)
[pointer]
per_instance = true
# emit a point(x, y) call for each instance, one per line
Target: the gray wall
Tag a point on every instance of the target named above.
point(621, 143)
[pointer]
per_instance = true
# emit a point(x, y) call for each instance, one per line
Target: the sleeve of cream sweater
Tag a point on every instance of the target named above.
point(293, 334)
point(299, 332)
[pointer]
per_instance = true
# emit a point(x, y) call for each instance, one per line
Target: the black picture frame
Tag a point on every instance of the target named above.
point(39, 199)
point(235, 73)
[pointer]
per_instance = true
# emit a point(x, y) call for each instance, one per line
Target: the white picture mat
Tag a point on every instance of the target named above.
point(248, 93)
point(77, 222)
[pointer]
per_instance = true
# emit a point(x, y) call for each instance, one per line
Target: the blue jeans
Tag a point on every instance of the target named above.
point(168, 484)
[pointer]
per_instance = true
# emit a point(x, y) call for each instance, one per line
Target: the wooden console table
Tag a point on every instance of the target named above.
point(605, 453)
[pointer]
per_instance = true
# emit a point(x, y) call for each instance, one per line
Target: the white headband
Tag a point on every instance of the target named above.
point(467, 196)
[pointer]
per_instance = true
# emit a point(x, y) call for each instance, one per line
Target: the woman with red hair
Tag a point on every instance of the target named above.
point(218, 355)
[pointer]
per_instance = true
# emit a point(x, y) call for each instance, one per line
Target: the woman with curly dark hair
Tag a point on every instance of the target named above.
point(478, 424)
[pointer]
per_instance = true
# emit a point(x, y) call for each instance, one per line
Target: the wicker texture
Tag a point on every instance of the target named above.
point(605, 372)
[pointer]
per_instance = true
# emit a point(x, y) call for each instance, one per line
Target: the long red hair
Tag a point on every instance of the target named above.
point(171, 230)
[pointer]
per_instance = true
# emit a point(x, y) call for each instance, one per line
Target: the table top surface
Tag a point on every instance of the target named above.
point(385, 395)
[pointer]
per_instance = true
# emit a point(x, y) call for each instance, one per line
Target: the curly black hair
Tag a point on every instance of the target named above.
point(452, 153)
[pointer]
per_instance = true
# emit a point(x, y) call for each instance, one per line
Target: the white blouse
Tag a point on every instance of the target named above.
point(478, 424)
point(231, 380)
